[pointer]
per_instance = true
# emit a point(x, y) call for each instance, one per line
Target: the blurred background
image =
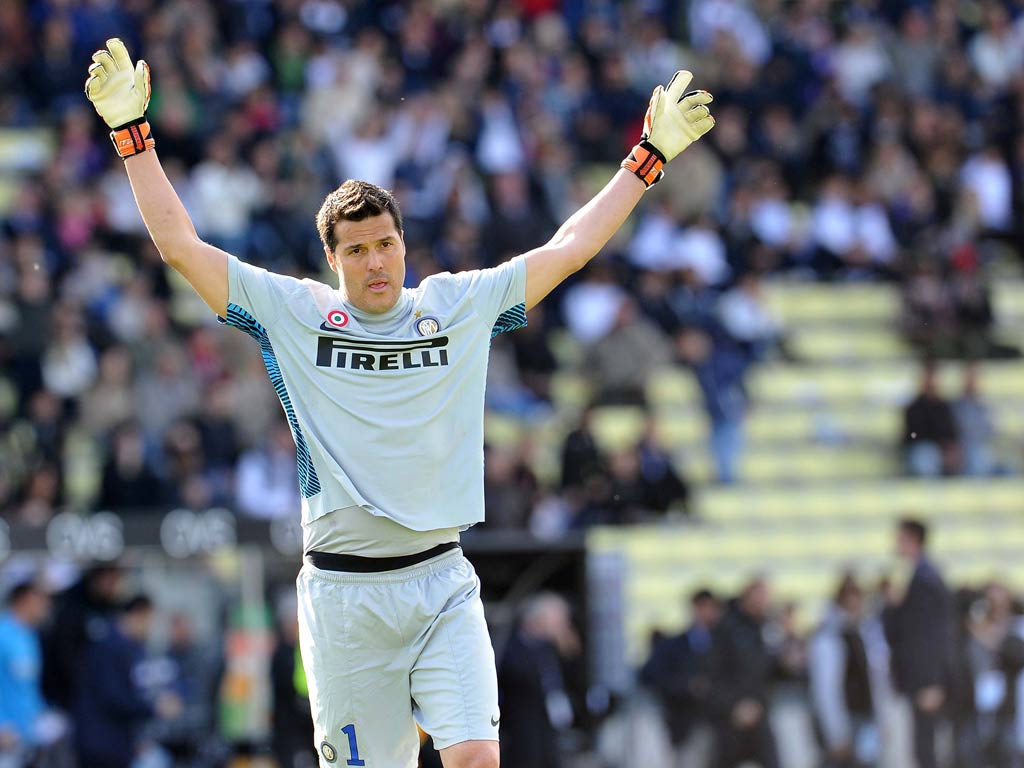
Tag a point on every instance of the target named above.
point(697, 452)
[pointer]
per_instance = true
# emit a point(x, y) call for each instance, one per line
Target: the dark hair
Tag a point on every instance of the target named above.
point(354, 201)
point(137, 604)
point(21, 590)
point(848, 587)
point(915, 528)
point(702, 596)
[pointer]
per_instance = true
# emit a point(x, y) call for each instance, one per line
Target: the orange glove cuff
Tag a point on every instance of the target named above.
point(132, 138)
point(646, 162)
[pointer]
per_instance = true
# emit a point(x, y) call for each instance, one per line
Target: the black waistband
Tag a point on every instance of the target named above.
point(331, 561)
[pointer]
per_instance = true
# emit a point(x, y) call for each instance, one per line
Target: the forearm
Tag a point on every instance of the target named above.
point(162, 211)
point(587, 231)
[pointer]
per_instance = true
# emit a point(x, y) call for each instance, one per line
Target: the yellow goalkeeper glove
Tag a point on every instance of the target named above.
point(672, 123)
point(120, 94)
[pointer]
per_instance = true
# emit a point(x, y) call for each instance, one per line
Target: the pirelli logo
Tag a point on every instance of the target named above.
point(362, 355)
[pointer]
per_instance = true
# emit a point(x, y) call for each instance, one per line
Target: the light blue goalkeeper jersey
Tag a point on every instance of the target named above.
point(387, 411)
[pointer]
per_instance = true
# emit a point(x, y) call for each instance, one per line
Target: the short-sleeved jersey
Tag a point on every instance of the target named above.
point(386, 410)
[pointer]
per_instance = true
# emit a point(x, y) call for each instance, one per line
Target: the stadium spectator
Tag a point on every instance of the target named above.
point(920, 629)
point(22, 707)
point(109, 704)
point(930, 431)
point(742, 671)
point(192, 670)
point(80, 616)
point(622, 361)
point(993, 655)
point(267, 481)
point(581, 459)
point(129, 482)
point(975, 427)
point(663, 487)
point(510, 488)
point(679, 672)
point(848, 670)
point(720, 365)
point(535, 705)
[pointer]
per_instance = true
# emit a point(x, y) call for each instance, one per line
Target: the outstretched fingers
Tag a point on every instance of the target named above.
point(678, 84)
point(105, 61)
point(693, 98)
point(119, 53)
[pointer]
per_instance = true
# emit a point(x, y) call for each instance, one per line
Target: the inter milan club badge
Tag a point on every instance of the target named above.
point(428, 325)
point(329, 752)
point(337, 318)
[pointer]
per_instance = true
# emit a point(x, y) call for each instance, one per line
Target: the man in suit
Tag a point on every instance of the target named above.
point(920, 629)
point(743, 669)
point(679, 672)
point(535, 705)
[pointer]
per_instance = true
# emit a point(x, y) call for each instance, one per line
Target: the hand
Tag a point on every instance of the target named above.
point(119, 92)
point(930, 699)
point(746, 714)
point(673, 122)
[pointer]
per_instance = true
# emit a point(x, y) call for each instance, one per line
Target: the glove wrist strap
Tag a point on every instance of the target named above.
point(132, 138)
point(646, 162)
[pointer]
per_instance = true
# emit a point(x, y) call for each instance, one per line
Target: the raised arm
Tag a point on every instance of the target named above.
point(673, 122)
point(120, 94)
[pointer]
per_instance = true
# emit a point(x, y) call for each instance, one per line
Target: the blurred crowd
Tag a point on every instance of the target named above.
point(877, 139)
point(901, 672)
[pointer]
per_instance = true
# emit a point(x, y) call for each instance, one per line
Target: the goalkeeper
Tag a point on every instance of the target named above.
point(383, 388)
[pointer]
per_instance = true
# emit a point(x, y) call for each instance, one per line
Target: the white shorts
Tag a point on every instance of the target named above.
point(385, 651)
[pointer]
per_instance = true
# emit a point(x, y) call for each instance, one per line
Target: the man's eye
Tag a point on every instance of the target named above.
point(386, 244)
point(355, 251)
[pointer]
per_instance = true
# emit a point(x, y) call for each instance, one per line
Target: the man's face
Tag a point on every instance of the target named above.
point(370, 261)
point(906, 545)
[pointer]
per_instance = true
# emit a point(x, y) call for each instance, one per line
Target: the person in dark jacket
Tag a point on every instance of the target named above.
point(742, 670)
point(535, 706)
point(109, 707)
point(81, 614)
point(679, 672)
point(921, 630)
point(930, 436)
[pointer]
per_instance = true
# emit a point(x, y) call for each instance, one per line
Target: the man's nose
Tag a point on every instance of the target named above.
point(376, 260)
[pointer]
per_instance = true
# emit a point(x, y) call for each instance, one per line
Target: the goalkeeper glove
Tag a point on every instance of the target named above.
point(672, 123)
point(120, 94)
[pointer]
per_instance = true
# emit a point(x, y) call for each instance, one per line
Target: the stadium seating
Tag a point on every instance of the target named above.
point(821, 483)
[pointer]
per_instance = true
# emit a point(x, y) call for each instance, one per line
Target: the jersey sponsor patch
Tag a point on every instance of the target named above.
point(372, 355)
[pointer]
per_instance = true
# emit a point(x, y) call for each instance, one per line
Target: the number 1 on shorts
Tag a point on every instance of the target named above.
point(353, 747)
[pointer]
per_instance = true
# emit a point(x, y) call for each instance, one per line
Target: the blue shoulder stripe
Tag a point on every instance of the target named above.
point(309, 483)
point(510, 319)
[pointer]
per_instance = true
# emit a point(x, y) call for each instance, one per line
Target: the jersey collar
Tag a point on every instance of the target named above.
point(382, 321)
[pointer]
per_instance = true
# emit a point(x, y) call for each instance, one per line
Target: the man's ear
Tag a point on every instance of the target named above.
point(330, 258)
